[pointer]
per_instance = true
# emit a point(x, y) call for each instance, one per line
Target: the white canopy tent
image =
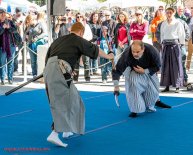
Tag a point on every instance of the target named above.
point(78, 5)
point(131, 3)
point(24, 4)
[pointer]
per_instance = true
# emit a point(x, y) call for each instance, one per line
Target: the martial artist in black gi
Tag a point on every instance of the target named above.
point(66, 105)
point(139, 64)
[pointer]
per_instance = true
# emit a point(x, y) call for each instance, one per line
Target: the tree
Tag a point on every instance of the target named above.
point(39, 2)
point(172, 3)
point(101, 0)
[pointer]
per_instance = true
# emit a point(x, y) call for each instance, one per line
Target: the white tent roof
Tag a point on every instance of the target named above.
point(131, 3)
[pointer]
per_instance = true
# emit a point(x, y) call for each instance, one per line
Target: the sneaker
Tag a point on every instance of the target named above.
point(10, 82)
point(104, 81)
point(166, 90)
point(67, 134)
point(16, 73)
point(97, 74)
point(177, 90)
point(53, 138)
point(185, 83)
point(133, 114)
point(87, 79)
point(2, 82)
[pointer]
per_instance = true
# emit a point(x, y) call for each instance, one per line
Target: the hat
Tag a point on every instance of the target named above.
point(18, 10)
point(107, 12)
point(68, 9)
point(139, 11)
point(104, 28)
point(2, 10)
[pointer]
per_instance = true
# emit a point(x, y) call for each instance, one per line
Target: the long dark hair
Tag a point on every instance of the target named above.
point(91, 17)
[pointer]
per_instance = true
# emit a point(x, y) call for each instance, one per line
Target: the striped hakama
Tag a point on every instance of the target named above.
point(171, 71)
point(66, 105)
point(142, 90)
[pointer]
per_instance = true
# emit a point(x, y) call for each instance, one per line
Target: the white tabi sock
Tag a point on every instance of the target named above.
point(67, 134)
point(53, 138)
point(151, 109)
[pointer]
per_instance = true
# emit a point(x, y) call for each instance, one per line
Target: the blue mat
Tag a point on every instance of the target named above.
point(25, 124)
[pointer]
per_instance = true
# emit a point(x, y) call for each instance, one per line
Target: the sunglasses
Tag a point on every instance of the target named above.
point(79, 17)
point(137, 14)
point(107, 15)
point(169, 12)
point(161, 9)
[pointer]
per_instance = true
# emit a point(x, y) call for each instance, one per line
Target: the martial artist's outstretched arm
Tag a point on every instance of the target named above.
point(119, 69)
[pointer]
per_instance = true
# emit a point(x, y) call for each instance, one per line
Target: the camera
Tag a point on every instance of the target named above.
point(63, 19)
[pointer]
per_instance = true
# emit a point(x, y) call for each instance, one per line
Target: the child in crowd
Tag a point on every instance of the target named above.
point(105, 43)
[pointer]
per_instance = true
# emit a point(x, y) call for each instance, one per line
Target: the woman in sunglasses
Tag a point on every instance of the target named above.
point(139, 28)
point(88, 36)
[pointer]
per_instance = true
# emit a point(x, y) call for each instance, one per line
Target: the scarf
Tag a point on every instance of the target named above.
point(5, 38)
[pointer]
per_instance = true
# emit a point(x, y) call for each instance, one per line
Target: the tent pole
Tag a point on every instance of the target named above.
point(49, 23)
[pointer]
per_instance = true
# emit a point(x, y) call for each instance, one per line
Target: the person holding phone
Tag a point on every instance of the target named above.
point(7, 47)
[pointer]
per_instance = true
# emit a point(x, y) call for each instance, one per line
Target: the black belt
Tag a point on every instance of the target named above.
point(171, 41)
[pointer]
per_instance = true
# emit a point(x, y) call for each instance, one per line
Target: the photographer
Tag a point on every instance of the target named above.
point(7, 47)
point(62, 27)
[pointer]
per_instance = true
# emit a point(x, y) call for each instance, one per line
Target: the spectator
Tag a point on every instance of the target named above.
point(139, 28)
point(7, 47)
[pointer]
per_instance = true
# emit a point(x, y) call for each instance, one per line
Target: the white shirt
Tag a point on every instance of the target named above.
point(87, 33)
point(174, 30)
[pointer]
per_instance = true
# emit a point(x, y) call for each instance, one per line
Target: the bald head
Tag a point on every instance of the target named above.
point(137, 48)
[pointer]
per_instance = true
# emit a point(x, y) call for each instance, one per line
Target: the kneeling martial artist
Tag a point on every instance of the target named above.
point(66, 105)
point(139, 64)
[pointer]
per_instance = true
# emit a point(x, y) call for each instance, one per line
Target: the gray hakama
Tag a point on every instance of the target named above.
point(66, 105)
point(171, 71)
point(142, 90)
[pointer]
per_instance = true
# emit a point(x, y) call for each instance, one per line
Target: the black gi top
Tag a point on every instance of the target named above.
point(150, 60)
point(70, 48)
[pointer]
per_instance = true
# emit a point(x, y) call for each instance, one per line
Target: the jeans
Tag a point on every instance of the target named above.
point(183, 48)
point(9, 67)
point(119, 51)
point(94, 65)
point(33, 58)
point(86, 64)
point(105, 70)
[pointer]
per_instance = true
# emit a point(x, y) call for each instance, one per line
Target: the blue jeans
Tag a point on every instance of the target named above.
point(33, 46)
point(9, 67)
point(183, 48)
point(119, 52)
point(33, 58)
point(94, 64)
point(105, 70)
